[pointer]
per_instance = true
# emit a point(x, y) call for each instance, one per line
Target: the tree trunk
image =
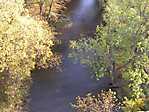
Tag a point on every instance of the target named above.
point(42, 7)
point(50, 7)
point(50, 3)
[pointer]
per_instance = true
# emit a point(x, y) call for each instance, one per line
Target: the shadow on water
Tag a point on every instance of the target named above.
point(54, 91)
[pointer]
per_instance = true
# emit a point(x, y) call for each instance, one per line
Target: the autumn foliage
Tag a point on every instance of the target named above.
point(105, 101)
point(25, 44)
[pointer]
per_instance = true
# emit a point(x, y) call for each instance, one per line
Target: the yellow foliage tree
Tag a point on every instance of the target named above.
point(25, 43)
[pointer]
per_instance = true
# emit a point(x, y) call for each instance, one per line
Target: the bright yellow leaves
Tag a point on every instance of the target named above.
point(23, 41)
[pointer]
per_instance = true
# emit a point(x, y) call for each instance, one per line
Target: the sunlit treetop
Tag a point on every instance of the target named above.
point(24, 41)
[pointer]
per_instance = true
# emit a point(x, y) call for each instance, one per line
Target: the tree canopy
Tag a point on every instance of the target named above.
point(120, 47)
point(25, 43)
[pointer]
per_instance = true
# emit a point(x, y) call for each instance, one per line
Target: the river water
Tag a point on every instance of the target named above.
point(54, 91)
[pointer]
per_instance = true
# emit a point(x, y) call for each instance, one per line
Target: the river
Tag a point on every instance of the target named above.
point(54, 91)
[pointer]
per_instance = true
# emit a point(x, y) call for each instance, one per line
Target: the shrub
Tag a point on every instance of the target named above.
point(103, 102)
point(133, 105)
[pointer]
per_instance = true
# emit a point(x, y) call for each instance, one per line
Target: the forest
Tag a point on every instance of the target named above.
point(74, 55)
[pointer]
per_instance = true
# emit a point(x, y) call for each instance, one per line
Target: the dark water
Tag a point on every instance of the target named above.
point(54, 91)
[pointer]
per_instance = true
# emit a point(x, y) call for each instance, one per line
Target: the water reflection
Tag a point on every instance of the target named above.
point(85, 11)
point(87, 3)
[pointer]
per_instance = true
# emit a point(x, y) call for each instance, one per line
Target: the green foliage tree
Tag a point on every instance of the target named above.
point(120, 49)
point(25, 43)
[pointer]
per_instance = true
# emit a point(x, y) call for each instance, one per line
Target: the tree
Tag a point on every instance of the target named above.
point(25, 44)
point(120, 48)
